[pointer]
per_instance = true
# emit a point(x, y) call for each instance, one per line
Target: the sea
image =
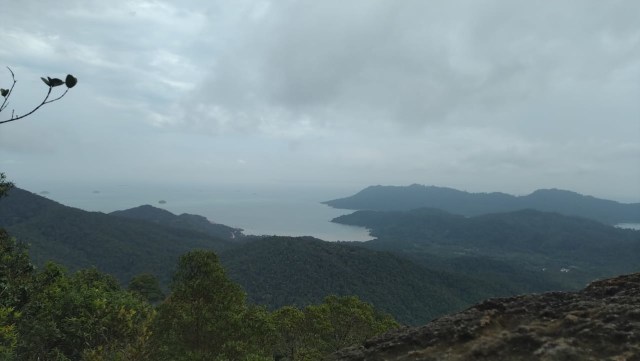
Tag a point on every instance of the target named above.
point(285, 210)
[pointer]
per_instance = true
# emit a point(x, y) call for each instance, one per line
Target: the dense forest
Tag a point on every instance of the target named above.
point(278, 271)
point(49, 313)
point(121, 246)
point(566, 250)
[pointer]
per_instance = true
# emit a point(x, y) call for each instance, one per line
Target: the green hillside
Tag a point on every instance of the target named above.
point(279, 271)
point(187, 221)
point(527, 240)
point(78, 239)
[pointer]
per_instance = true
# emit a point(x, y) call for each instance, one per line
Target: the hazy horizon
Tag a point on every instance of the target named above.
point(257, 209)
point(323, 191)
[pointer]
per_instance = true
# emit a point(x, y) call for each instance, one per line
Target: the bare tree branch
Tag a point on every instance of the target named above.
point(6, 93)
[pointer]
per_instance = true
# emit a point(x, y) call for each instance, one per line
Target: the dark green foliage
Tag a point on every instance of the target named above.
point(68, 317)
point(120, 246)
point(205, 316)
point(148, 287)
point(389, 198)
point(87, 316)
point(345, 321)
point(16, 272)
point(317, 331)
point(292, 341)
point(280, 271)
point(184, 221)
point(8, 333)
point(527, 241)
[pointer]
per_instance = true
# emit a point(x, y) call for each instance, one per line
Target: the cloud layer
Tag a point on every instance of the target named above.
point(482, 95)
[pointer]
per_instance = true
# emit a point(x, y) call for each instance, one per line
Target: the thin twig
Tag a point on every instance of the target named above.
point(53, 100)
point(45, 101)
point(6, 97)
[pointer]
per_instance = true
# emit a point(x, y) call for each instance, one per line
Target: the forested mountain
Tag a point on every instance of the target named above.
point(274, 271)
point(76, 238)
point(392, 198)
point(447, 261)
point(527, 239)
point(48, 313)
point(278, 271)
point(185, 221)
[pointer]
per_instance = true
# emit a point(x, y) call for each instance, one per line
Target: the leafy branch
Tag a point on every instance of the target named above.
point(70, 81)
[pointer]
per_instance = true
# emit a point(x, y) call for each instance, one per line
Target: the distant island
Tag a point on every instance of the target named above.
point(403, 198)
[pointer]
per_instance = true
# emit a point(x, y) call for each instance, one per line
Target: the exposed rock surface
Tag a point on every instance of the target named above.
point(601, 322)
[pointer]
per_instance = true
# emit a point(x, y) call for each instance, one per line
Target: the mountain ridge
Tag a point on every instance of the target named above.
point(80, 239)
point(188, 221)
point(389, 198)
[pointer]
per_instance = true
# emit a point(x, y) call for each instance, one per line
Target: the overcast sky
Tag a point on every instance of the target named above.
point(477, 95)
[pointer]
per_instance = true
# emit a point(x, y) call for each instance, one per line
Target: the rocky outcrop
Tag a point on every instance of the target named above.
point(601, 322)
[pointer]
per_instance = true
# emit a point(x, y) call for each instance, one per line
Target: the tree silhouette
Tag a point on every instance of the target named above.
point(5, 185)
point(70, 81)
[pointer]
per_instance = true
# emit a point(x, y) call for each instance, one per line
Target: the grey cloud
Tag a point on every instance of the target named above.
point(484, 95)
point(412, 62)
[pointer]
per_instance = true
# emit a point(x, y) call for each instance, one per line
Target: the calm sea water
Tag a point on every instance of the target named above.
point(259, 210)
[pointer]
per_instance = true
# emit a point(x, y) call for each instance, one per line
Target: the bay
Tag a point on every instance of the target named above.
point(286, 210)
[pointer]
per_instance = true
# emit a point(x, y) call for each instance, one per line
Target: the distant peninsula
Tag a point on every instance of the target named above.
point(402, 198)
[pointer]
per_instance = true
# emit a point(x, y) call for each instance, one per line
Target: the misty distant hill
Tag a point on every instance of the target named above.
point(525, 239)
point(185, 221)
point(117, 245)
point(397, 198)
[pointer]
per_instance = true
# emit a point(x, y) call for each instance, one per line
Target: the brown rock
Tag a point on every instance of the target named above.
point(601, 322)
